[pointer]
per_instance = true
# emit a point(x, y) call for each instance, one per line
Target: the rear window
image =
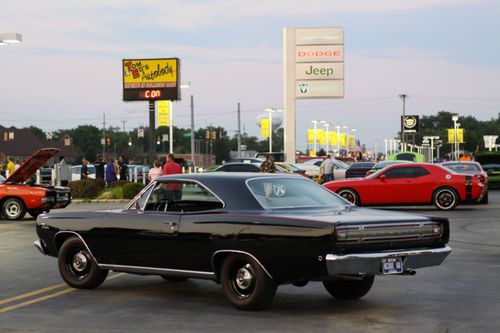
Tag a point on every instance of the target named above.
point(462, 167)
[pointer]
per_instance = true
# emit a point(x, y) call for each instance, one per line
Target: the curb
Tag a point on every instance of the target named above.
point(86, 201)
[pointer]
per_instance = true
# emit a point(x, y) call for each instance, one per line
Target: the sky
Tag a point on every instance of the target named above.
point(444, 54)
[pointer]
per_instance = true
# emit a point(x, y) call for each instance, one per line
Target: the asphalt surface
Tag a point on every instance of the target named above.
point(462, 295)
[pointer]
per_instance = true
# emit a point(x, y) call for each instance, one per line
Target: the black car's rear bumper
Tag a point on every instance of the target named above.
point(370, 263)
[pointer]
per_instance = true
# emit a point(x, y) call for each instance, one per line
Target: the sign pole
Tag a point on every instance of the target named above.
point(171, 129)
point(289, 96)
point(152, 126)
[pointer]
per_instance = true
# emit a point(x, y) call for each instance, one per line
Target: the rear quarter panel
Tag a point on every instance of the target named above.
point(31, 196)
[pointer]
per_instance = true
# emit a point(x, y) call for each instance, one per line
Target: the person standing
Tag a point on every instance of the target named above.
point(171, 167)
point(326, 169)
point(99, 168)
point(122, 168)
point(84, 173)
point(11, 167)
point(155, 171)
point(268, 165)
point(110, 172)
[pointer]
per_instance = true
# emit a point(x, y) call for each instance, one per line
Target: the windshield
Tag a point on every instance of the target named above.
point(280, 192)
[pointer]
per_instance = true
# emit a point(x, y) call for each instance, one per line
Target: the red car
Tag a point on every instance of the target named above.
point(18, 196)
point(411, 184)
point(470, 168)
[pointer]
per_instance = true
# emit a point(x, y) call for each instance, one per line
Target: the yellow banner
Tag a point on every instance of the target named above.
point(321, 136)
point(310, 135)
point(162, 107)
point(264, 127)
point(342, 140)
point(332, 140)
point(460, 135)
point(150, 73)
point(350, 141)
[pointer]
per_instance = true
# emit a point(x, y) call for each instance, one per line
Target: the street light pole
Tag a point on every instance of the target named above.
point(10, 38)
point(327, 125)
point(454, 150)
point(192, 129)
point(338, 140)
point(315, 124)
point(271, 110)
point(403, 138)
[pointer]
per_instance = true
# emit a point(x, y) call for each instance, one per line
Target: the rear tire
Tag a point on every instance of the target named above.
point(77, 266)
point(350, 195)
point(245, 283)
point(13, 209)
point(445, 198)
point(349, 289)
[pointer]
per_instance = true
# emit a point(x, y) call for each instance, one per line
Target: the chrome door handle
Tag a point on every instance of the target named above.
point(172, 224)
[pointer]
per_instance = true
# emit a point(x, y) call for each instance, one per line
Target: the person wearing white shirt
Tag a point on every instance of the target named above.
point(326, 169)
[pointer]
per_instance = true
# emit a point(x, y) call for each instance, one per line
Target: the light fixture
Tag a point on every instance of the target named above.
point(10, 38)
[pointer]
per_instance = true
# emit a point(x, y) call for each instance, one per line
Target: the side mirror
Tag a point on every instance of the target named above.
point(382, 178)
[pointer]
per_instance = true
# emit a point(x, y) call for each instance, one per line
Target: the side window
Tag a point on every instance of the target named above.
point(141, 201)
point(181, 196)
point(418, 172)
point(399, 173)
point(225, 168)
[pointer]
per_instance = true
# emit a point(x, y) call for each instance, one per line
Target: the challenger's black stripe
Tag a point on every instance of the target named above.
point(468, 187)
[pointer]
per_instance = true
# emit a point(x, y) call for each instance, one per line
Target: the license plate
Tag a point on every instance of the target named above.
point(392, 265)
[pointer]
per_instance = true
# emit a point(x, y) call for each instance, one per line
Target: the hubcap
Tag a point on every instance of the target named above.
point(244, 277)
point(12, 209)
point(348, 196)
point(79, 262)
point(445, 199)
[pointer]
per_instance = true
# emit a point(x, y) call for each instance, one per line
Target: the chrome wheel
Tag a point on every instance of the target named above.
point(349, 195)
point(79, 262)
point(445, 199)
point(243, 281)
point(13, 209)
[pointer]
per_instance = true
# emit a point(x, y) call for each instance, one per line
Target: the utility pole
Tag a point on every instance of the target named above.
point(103, 137)
point(152, 141)
point(239, 131)
point(192, 128)
point(123, 122)
point(403, 134)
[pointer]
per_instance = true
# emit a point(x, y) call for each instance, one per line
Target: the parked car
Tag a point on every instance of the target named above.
point(275, 229)
point(411, 184)
point(312, 167)
point(244, 167)
point(292, 168)
point(470, 168)
point(359, 169)
point(76, 172)
point(383, 164)
point(493, 172)
point(407, 156)
point(19, 194)
point(246, 160)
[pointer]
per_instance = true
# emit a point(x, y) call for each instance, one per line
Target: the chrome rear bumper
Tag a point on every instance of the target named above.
point(40, 245)
point(370, 263)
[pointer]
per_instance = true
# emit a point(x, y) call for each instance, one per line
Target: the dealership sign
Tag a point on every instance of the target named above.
point(410, 124)
point(150, 79)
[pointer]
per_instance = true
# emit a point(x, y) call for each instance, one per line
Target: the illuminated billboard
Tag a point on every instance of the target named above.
point(151, 79)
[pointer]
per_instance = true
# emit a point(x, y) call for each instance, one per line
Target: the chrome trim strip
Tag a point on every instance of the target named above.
point(442, 250)
point(157, 271)
point(39, 244)
point(78, 235)
point(242, 252)
point(144, 190)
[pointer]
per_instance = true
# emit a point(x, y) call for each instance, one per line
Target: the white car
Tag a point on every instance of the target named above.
point(312, 168)
point(76, 171)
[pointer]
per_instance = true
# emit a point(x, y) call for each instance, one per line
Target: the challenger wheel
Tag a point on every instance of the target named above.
point(245, 283)
point(13, 209)
point(445, 198)
point(484, 200)
point(349, 288)
point(350, 195)
point(77, 267)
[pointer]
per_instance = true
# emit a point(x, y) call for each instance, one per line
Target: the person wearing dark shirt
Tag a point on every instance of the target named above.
point(99, 168)
point(268, 165)
point(84, 173)
point(110, 172)
point(122, 168)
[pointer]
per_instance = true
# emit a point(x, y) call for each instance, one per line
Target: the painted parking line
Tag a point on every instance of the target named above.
point(28, 301)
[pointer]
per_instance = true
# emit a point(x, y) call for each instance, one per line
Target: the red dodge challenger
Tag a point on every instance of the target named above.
point(411, 184)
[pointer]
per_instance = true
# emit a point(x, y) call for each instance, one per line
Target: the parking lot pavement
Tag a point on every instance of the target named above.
point(462, 295)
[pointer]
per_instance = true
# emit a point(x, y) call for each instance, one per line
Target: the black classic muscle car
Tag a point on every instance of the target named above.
point(249, 232)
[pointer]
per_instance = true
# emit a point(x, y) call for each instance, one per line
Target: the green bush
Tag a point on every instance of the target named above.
point(130, 190)
point(87, 188)
point(112, 193)
point(119, 183)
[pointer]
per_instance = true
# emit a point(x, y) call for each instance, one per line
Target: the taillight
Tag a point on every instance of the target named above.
point(482, 179)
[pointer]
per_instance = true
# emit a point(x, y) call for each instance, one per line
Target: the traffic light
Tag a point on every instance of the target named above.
point(214, 135)
point(207, 135)
point(130, 141)
point(158, 140)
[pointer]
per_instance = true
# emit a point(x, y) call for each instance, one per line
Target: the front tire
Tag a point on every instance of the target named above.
point(245, 283)
point(13, 209)
point(445, 198)
point(349, 288)
point(77, 266)
point(350, 195)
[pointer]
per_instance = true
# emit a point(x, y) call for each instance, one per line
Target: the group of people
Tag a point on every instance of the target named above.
point(9, 167)
point(170, 167)
point(110, 172)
